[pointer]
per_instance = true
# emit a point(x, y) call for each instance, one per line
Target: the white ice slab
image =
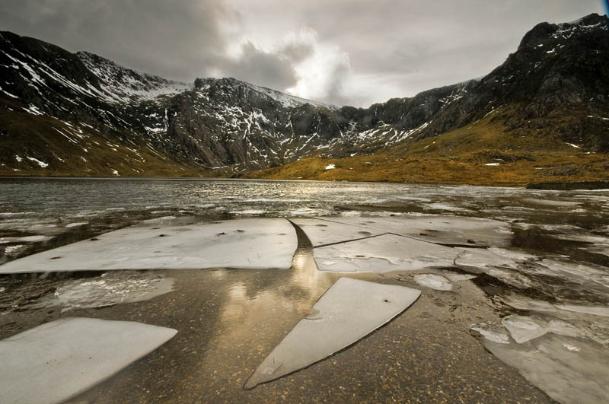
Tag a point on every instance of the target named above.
point(523, 329)
point(455, 277)
point(491, 257)
point(108, 289)
point(347, 312)
point(492, 333)
point(55, 361)
point(322, 231)
point(523, 303)
point(436, 229)
point(244, 243)
point(552, 203)
point(383, 254)
point(569, 370)
point(436, 282)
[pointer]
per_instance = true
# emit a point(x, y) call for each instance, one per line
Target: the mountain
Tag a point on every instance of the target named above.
point(64, 113)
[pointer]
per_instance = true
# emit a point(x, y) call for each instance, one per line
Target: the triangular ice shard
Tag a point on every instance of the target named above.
point(57, 360)
point(347, 312)
point(243, 244)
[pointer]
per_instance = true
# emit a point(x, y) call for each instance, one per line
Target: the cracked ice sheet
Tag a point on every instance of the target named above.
point(436, 282)
point(475, 258)
point(243, 244)
point(321, 231)
point(383, 254)
point(569, 370)
point(346, 313)
point(526, 328)
point(108, 289)
point(55, 361)
point(524, 303)
point(452, 230)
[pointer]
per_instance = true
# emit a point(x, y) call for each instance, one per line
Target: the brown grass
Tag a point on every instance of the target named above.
point(460, 157)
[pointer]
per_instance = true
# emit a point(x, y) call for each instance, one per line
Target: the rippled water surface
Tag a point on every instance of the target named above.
point(83, 197)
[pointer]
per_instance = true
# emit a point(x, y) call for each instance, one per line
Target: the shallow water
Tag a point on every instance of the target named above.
point(554, 267)
point(70, 198)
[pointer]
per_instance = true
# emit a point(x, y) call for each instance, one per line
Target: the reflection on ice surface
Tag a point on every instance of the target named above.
point(348, 311)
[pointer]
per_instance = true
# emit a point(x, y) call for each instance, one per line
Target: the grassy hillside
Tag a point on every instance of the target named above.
point(40, 145)
point(484, 153)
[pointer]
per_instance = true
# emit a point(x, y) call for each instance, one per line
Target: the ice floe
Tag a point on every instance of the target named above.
point(492, 333)
point(456, 277)
point(321, 232)
point(452, 230)
point(569, 370)
point(476, 258)
point(347, 312)
point(107, 290)
point(552, 203)
point(384, 253)
point(526, 328)
point(523, 329)
point(76, 224)
point(243, 244)
point(523, 303)
point(437, 282)
point(55, 361)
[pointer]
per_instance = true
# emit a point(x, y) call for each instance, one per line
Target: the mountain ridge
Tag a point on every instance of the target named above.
point(556, 82)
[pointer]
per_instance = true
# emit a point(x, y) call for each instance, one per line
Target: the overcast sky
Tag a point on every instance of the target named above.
point(341, 51)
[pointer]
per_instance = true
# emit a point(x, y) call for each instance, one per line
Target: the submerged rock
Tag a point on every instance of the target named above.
point(55, 361)
point(347, 312)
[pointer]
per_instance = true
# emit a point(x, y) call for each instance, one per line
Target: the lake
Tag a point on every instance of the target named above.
point(533, 282)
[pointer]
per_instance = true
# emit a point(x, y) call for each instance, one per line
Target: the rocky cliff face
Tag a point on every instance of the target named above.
point(557, 80)
point(556, 83)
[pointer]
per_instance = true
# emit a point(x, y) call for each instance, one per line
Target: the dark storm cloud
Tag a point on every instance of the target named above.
point(176, 38)
point(352, 51)
point(271, 69)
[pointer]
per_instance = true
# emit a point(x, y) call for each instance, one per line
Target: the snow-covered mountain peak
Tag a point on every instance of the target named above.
point(127, 84)
point(229, 86)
